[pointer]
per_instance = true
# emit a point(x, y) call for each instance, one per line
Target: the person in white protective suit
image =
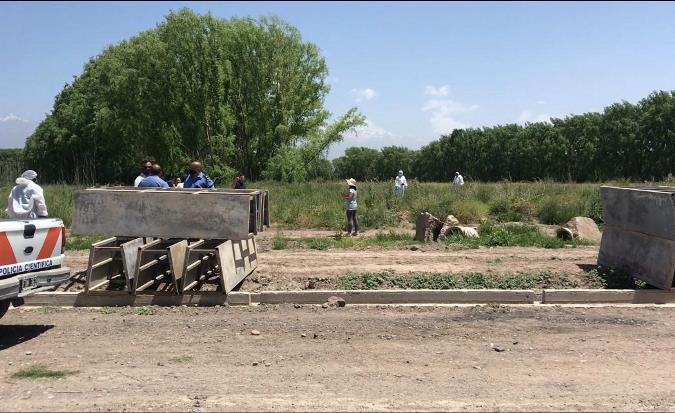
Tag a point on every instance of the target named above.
point(459, 180)
point(400, 184)
point(26, 200)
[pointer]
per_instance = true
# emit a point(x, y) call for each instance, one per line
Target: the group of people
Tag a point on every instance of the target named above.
point(151, 177)
point(400, 185)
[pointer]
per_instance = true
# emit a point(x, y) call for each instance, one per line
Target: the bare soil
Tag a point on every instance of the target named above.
point(341, 359)
point(292, 269)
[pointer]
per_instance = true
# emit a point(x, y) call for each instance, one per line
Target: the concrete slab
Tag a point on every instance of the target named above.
point(399, 296)
point(639, 235)
point(168, 213)
point(608, 296)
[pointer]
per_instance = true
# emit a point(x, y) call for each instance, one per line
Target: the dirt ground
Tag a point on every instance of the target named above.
point(291, 269)
point(338, 359)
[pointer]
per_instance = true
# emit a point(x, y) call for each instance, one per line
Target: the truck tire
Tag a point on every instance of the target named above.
point(4, 305)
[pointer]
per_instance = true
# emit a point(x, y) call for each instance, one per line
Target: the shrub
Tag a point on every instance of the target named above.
point(470, 210)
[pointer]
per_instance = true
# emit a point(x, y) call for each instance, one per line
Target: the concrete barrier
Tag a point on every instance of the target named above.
point(122, 299)
point(400, 296)
point(608, 296)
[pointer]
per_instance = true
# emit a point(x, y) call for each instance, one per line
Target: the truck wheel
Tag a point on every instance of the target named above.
point(4, 305)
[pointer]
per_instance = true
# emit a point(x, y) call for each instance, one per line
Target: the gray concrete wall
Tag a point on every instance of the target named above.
point(163, 213)
point(639, 234)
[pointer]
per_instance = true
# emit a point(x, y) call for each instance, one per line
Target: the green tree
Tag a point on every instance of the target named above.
point(234, 93)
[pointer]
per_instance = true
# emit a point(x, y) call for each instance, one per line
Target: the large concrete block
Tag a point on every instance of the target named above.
point(639, 236)
point(170, 213)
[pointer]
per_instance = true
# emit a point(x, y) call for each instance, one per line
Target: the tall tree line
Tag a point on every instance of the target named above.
point(235, 93)
point(633, 141)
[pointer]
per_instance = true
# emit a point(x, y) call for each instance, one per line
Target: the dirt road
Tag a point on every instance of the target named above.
point(353, 358)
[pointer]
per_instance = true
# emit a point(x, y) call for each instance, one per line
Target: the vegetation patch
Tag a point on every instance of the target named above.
point(449, 281)
point(78, 243)
point(180, 359)
point(512, 235)
point(39, 372)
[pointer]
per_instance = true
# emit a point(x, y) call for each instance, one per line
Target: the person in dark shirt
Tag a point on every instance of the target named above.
point(240, 182)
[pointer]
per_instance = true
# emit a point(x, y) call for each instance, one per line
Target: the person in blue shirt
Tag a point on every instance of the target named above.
point(154, 179)
point(196, 178)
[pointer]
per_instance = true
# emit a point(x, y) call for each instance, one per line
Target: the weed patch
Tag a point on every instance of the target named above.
point(447, 281)
point(40, 372)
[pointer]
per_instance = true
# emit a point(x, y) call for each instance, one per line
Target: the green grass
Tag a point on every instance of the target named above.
point(279, 242)
point(470, 280)
point(38, 372)
point(81, 242)
point(512, 235)
point(146, 311)
point(593, 278)
point(180, 359)
point(319, 205)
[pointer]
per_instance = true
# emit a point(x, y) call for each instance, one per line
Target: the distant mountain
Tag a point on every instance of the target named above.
point(14, 131)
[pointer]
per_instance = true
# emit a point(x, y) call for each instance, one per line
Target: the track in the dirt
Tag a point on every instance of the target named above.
point(405, 358)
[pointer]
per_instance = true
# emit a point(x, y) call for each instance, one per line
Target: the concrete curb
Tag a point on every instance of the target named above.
point(440, 297)
point(114, 299)
point(608, 296)
point(400, 296)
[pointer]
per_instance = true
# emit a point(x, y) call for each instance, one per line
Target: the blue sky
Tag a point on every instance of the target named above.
point(416, 70)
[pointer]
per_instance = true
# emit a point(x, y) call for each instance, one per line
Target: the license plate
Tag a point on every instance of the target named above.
point(29, 282)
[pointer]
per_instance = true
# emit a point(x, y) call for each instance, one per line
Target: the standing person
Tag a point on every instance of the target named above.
point(351, 206)
point(240, 182)
point(400, 184)
point(196, 178)
point(458, 181)
point(26, 199)
point(154, 180)
point(146, 166)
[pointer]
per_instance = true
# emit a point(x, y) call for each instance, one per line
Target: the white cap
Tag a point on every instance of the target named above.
point(29, 174)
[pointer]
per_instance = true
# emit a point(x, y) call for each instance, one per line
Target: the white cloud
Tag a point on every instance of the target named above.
point(541, 102)
point(442, 114)
point(371, 131)
point(12, 117)
point(436, 91)
point(527, 116)
point(364, 94)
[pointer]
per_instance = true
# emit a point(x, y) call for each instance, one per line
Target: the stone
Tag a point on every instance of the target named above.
point(580, 228)
point(336, 302)
point(467, 231)
point(450, 222)
point(28, 353)
point(427, 227)
point(255, 332)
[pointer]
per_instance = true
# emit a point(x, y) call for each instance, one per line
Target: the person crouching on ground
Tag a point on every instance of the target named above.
point(26, 200)
point(154, 180)
point(351, 206)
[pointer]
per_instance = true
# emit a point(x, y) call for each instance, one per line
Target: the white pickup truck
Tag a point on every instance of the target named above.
point(31, 258)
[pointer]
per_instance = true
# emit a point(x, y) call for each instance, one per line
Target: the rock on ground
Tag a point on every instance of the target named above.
point(427, 228)
point(580, 228)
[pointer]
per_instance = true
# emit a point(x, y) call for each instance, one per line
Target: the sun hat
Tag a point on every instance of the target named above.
point(351, 182)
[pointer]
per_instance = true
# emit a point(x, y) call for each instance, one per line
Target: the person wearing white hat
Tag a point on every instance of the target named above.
point(26, 200)
point(351, 206)
point(400, 184)
point(459, 180)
